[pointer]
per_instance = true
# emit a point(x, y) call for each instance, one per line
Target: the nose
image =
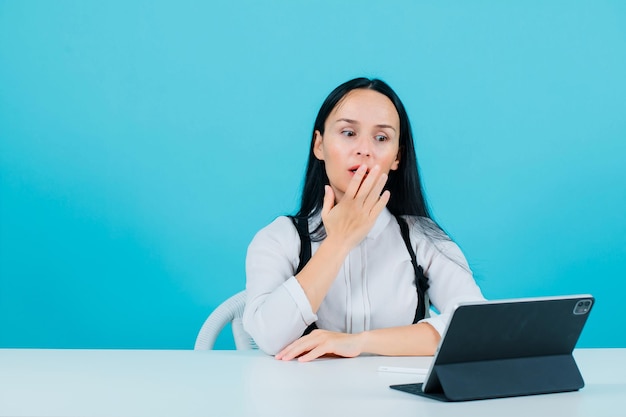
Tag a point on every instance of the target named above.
point(364, 147)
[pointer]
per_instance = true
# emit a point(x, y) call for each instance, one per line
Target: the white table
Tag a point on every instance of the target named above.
point(181, 383)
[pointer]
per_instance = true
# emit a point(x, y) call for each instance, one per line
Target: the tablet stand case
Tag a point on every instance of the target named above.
point(502, 378)
point(506, 350)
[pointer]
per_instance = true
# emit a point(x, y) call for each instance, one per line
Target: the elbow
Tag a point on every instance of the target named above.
point(269, 348)
point(429, 339)
point(264, 339)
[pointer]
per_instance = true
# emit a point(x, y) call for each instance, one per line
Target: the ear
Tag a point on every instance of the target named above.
point(396, 163)
point(317, 146)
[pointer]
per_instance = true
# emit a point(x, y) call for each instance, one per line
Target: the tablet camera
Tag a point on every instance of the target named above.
point(582, 307)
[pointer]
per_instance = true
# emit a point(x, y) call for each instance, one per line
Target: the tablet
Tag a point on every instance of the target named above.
point(506, 348)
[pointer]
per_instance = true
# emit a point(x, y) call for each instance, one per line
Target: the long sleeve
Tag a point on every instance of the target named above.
point(277, 310)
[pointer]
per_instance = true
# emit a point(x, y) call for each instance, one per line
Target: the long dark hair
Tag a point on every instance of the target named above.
point(407, 194)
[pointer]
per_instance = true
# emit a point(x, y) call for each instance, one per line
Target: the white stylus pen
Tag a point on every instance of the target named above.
point(421, 371)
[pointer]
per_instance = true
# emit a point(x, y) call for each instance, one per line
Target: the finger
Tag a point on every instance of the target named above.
point(314, 353)
point(288, 353)
point(369, 184)
point(355, 182)
point(374, 195)
point(283, 354)
point(380, 204)
point(372, 187)
point(295, 349)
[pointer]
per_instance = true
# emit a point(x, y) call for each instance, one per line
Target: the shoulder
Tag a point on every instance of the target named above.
point(272, 256)
point(425, 228)
point(279, 230)
point(277, 241)
point(432, 242)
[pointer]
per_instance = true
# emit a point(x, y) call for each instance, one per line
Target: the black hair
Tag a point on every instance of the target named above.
point(404, 184)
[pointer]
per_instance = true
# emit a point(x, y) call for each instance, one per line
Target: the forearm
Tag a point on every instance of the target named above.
point(414, 340)
point(321, 270)
point(419, 339)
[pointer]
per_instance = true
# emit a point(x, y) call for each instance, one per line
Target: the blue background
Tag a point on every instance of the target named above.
point(143, 143)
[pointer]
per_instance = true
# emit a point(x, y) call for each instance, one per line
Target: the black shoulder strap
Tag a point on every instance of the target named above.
point(302, 226)
point(421, 282)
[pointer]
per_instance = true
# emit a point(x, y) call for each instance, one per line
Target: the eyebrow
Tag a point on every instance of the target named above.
point(383, 126)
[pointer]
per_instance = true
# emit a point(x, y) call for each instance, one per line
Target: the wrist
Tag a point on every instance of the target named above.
point(336, 245)
point(363, 341)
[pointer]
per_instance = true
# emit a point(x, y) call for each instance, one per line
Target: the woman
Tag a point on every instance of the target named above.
point(367, 218)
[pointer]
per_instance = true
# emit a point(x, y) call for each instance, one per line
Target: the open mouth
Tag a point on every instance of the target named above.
point(354, 169)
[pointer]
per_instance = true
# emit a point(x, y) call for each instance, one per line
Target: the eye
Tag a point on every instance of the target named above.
point(380, 138)
point(348, 132)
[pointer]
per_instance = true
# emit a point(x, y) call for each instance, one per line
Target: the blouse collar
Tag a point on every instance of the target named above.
point(381, 223)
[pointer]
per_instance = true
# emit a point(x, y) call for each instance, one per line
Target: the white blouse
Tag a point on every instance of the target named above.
point(374, 289)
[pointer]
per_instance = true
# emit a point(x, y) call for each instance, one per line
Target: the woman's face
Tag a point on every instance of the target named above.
point(364, 128)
